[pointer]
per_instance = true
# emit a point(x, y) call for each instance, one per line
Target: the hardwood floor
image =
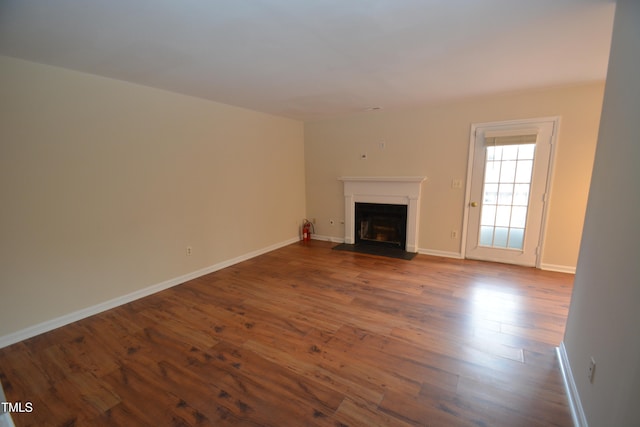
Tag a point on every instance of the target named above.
point(308, 336)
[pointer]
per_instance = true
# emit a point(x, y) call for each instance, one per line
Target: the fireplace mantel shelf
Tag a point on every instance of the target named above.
point(383, 178)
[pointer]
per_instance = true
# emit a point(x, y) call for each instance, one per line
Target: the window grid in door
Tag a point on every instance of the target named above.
point(507, 183)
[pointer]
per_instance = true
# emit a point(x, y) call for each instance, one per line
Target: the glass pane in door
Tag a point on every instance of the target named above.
point(507, 181)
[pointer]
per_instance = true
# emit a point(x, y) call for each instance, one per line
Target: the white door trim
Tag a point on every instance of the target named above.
point(550, 175)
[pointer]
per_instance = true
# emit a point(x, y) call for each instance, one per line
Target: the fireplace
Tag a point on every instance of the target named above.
point(403, 191)
point(381, 224)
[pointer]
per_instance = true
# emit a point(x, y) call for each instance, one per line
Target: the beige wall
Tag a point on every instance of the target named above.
point(103, 185)
point(604, 317)
point(434, 142)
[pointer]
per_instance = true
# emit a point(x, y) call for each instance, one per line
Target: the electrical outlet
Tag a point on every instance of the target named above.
point(454, 234)
point(189, 250)
point(592, 369)
point(456, 183)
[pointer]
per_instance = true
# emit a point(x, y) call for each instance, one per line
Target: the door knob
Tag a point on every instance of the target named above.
point(474, 204)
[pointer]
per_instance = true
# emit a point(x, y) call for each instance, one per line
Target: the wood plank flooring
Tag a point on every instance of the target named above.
point(308, 336)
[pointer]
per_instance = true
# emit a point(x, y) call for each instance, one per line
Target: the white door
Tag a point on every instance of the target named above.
point(507, 192)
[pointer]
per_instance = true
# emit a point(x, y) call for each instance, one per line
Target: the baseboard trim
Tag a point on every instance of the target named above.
point(5, 420)
point(559, 268)
point(445, 254)
point(577, 412)
point(5, 416)
point(52, 324)
point(327, 238)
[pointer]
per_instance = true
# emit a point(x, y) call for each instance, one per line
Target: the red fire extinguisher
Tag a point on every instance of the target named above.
point(306, 230)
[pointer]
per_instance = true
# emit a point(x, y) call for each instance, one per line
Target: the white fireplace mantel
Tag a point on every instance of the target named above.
point(394, 190)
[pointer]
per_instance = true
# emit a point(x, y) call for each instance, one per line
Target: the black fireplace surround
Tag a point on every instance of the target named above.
point(381, 225)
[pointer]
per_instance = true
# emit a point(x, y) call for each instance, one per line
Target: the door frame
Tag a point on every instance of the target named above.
point(550, 174)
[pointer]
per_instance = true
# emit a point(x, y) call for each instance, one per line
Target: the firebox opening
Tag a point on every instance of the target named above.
point(381, 224)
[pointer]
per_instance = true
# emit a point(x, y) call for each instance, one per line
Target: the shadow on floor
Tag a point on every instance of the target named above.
point(396, 253)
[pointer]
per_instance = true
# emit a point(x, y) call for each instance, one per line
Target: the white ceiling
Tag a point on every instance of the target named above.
point(310, 59)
